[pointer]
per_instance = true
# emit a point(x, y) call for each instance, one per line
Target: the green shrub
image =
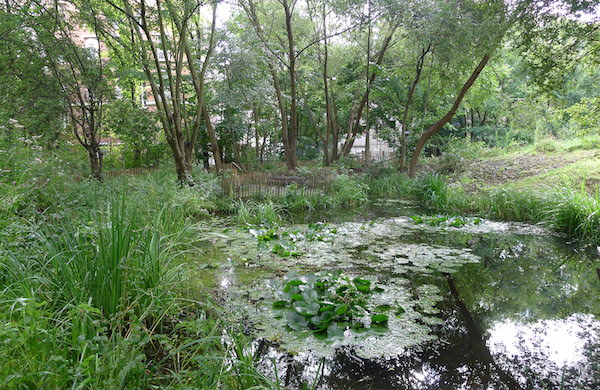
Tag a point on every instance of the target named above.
point(392, 185)
point(256, 213)
point(547, 145)
point(577, 214)
point(431, 191)
point(457, 151)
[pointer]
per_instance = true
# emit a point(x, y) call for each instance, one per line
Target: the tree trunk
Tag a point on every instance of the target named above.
point(293, 125)
point(446, 118)
point(95, 155)
point(283, 116)
point(409, 97)
point(357, 110)
point(256, 133)
point(328, 116)
point(214, 142)
point(335, 131)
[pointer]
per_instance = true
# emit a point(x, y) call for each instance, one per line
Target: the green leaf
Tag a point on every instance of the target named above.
point(379, 318)
point(327, 316)
point(383, 308)
point(307, 309)
point(310, 295)
point(296, 297)
point(292, 283)
point(362, 285)
point(334, 331)
point(279, 304)
point(296, 321)
point(416, 219)
point(341, 310)
point(327, 307)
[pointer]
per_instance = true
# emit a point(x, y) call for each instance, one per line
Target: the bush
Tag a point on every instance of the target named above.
point(577, 214)
point(393, 185)
point(547, 145)
point(431, 191)
point(457, 152)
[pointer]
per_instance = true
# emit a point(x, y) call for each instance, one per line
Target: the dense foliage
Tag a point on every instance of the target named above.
point(101, 102)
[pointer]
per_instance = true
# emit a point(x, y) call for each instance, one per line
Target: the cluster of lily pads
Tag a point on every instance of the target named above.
point(456, 221)
point(329, 303)
point(286, 243)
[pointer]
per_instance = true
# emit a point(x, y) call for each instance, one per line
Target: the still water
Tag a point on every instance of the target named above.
point(488, 305)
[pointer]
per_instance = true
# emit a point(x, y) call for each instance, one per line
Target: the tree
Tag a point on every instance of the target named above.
point(138, 128)
point(27, 90)
point(165, 37)
point(289, 124)
point(80, 72)
point(495, 18)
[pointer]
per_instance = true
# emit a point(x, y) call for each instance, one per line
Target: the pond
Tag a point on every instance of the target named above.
point(483, 304)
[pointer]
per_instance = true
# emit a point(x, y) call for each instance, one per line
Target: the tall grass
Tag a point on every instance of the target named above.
point(392, 185)
point(255, 213)
point(577, 214)
point(572, 212)
point(117, 264)
point(511, 205)
point(431, 191)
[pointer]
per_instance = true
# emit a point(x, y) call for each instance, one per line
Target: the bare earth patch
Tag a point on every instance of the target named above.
point(510, 169)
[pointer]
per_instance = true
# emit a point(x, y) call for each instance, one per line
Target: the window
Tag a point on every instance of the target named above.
point(91, 43)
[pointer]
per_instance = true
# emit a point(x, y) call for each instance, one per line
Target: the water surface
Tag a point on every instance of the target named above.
point(487, 306)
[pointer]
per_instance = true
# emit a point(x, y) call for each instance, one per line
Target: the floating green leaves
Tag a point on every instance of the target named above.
point(329, 303)
point(286, 242)
point(264, 234)
point(320, 231)
point(457, 221)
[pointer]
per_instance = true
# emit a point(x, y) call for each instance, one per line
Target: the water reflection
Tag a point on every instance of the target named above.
point(525, 315)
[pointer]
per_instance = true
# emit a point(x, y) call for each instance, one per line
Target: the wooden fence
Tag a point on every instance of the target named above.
point(257, 184)
point(129, 171)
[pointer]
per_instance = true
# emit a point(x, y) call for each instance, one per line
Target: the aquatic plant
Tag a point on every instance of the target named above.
point(456, 221)
point(431, 191)
point(256, 213)
point(329, 303)
point(320, 231)
point(577, 214)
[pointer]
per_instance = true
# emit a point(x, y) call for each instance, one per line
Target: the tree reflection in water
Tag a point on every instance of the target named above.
point(525, 317)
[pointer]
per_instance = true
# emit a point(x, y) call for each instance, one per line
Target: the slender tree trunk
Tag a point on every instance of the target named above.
point(446, 118)
point(95, 156)
point(328, 115)
point(214, 142)
point(293, 125)
point(283, 117)
point(409, 97)
point(368, 88)
point(335, 131)
point(256, 133)
point(358, 109)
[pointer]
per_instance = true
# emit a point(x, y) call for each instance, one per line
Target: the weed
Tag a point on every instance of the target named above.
point(431, 191)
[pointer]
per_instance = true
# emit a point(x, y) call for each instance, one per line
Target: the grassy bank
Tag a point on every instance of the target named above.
point(567, 210)
point(93, 282)
point(93, 275)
